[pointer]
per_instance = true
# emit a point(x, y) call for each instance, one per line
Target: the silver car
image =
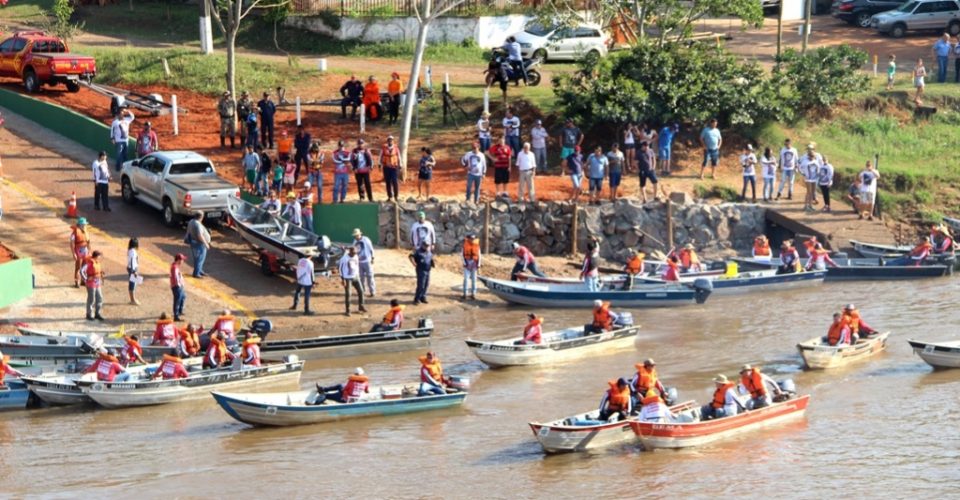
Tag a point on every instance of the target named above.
point(940, 15)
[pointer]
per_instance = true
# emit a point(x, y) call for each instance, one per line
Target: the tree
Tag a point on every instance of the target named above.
point(229, 14)
point(426, 12)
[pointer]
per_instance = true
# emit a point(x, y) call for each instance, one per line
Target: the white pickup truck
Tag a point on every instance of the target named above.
point(179, 183)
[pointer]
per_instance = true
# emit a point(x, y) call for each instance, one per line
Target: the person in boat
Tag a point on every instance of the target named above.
point(526, 262)
point(761, 249)
point(225, 324)
point(916, 256)
point(165, 333)
point(654, 409)
point(789, 259)
point(942, 240)
point(431, 376)
point(759, 385)
point(6, 369)
point(131, 352)
point(689, 260)
point(108, 368)
point(672, 270)
point(533, 332)
point(839, 332)
point(603, 318)
point(616, 401)
point(357, 385)
point(590, 272)
point(819, 259)
point(189, 343)
point(646, 380)
point(272, 204)
point(634, 267)
point(393, 320)
point(810, 244)
point(217, 353)
point(250, 351)
point(858, 327)
point(170, 368)
point(725, 402)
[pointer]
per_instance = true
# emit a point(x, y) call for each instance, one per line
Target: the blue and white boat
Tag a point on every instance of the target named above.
point(577, 295)
point(14, 395)
point(294, 408)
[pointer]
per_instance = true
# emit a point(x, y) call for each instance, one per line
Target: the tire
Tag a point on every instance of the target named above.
point(953, 28)
point(30, 81)
point(863, 20)
point(126, 192)
point(592, 57)
point(170, 218)
point(73, 87)
point(533, 77)
point(898, 30)
point(540, 54)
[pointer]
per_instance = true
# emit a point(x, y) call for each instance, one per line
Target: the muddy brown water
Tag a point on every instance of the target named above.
point(882, 426)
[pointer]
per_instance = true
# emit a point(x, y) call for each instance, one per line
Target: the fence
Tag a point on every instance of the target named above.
point(403, 8)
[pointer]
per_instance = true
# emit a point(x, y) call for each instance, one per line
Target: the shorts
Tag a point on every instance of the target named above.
point(918, 82)
point(629, 146)
point(425, 175)
point(577, 180)
point(713, 155)
point(501, 175)
point(867, 197)
point(889, 78)
point(663, 154)
point(596, 184)
point(566, 152)
point(647, 174)
point(615, 179)
point(251, 176)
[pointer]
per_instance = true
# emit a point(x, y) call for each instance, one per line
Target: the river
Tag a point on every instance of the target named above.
point(887, 426)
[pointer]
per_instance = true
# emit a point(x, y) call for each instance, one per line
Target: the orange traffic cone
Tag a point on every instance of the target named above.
point(72, 205)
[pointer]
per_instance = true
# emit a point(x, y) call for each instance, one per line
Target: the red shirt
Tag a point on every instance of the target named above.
point(171, 370)
point(176, 278)
point(501, 155)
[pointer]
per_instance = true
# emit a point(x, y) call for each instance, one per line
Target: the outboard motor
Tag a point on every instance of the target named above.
point(425, 323)
point(261, 327)
point(788, 390)
point(702, 288)
point(624, 319)
point(671, 396)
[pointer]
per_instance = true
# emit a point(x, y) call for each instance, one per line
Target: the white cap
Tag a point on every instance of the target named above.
point(358, 371)
point(516, 245)
point(597, 303)
point(307, 184)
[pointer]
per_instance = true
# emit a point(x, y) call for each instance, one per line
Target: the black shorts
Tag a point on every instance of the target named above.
point(501, 175)
point(647, 174)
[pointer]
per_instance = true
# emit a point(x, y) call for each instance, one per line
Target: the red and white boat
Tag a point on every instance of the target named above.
point(684, 435)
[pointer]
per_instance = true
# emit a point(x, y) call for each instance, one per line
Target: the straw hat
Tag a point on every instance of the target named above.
point(720, 379)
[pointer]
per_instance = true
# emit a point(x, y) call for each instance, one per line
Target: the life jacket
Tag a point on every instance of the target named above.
point(216, 352)
point(394, 317)
point(945, 246)
point(836, 332)
point(673, 272)
point(753, 382)
point(533, 332)
point(617, 399)
point(356, 386)
point(852, 320)
point(165, 333)
point(434, 369)
point(225, 325)
point(720, 395)
point(810, 245)
point(92, 273)
point(635, 264)
point(251, 352)
point(189, 342)
point(601, 317)
point(394, 87)
point(371, 97)
point(762, 249)
point(284, 145)
point(391, 156)
point(688, 258)
point(107, 368)
point(921, 250)
point(471, 250)
point(79, 237)
point(655, 399)
point(169, 366)
point(132, 351)
point(646, 379)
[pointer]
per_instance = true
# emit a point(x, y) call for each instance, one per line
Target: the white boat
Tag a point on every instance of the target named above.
point(818, 355)
point(556, 346)
point(144, 392)
point(938, 354)
point(292, 408)
point(875, 250)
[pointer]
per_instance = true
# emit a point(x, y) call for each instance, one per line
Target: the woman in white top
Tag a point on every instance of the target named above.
point(919, 72)
point(629, 145)
point(483, 131)
point(648, 134)
point(133, 269)
point(768, 168)
point(748, 161)
point(825, 180)
point(810, 169)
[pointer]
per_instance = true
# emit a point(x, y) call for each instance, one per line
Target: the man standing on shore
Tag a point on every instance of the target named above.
point(501, 154)
point(304, 284)
point(942, 50)
point(92, 275)
point(349, 276)
point(176, 286)
point(711, 141)
point(538, 142)
point(199, 239)
point(362, 162)
point(390, 165)
point(471, 264)
point(120, 135)
point(101, 183)
point(570, 138)
point(511, 131)
point(267, 110)
point(422, 232)
point(423, 261)
point(527, 169)
point(244, 106)
point(227, 109)
point(301, 143)
point(788, 168)
point(476, 165)
point(364, 249)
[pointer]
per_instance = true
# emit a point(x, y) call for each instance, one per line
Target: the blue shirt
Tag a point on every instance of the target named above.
point(942, 48)
point(598, 165)
point(711, 137)
point(666, 137)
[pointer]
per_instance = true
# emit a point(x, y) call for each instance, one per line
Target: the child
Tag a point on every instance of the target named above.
point(891, 71)
point(263, 175)
point(289, 173)
point(427, 162)
point(768, 164)
point(277, 177)
point(918, 74)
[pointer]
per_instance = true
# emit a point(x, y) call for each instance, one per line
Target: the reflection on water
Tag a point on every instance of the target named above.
point(889, 424)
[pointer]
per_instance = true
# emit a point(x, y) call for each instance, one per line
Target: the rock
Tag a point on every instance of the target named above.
point(630, 239)
point(499, 206)
point(591, 222)
point(680, 198)
point(510, 232)
point(610, 229)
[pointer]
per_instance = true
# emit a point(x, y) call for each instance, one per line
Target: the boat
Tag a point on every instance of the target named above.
point(766, 280)
point(875, 250)
point(697, 433)
point(556, 346)
point(291, 408)
point(583, 432)
point(66, 348)
point(14, 395)
point(652, 269)
point(29, 331)
point(938, 354)
point(278, 241)
point(952, 223)
point(818, 355)
point(880, 268)
point(353, 344)
point(141, 391)
point(553, 295)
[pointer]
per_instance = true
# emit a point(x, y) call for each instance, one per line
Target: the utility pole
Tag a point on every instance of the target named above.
point(206, 29)
point(779, 33)
point(807, 11)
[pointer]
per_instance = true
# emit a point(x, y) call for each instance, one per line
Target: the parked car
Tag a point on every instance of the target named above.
point(940, 15)
point(179, 183)
point(859, 12)
point(40, 59)
point(562, 43)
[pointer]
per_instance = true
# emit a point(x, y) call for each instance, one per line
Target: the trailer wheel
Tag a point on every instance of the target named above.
point(73, 87)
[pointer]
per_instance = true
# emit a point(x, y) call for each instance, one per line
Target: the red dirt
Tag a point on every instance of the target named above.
point(6, 255)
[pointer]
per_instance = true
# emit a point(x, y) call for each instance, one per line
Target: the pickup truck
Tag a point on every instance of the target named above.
point(39, 59)
point(179, 183)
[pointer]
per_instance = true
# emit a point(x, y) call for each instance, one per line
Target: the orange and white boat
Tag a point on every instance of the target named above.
point(700, 432)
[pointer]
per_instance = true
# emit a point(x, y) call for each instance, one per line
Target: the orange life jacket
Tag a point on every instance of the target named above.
point(434, 369)
point(250, 353)
point(720, 395)
point(132, 347)
point(688, 258)
point(79, 237)
point(762, 249)
point(852, 320)
point(754, 383)
point(391, 156)
point(836, 331)
point(471, 249)
point(810, 245)
point(646, 379)
point(601, 317)
point(922, 248)
point(371, 93)
point(191, 342)
point(392, 315)
point(635, 264)
point(651, 400)
point(165, 332)
point(218, 348)
point(673, 271)
point(93, 271)
point(617, 399)
point(356, 386)
point(533, 330)
point(225, 325)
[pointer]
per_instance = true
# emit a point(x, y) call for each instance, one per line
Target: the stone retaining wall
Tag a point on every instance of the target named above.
point(546, 228)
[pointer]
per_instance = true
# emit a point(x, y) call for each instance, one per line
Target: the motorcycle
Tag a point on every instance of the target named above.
point(500, 71)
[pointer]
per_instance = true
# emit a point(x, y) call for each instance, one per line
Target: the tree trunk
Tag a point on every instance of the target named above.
point(411, 94)
point(808, 10)
point(231, 37)
point(641, 14)
point(779, 33)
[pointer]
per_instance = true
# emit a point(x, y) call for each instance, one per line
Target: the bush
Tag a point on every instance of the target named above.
point(821, 77)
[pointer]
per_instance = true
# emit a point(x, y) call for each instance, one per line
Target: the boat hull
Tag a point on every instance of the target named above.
point(14, 396)
point(545, 295)
point(502, 354)
point(246, 409)
point(351, 345)
point(766, 281)
point(938, 355)
point(58, 393)
point(686, 435)
point(819, 356)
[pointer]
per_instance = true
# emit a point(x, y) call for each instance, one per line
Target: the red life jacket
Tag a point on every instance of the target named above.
point(617, 399)
point(356, 386)
point(720, 395)
point(165, 334)
point(753, 382)
point(533, 332)
point(251, 352)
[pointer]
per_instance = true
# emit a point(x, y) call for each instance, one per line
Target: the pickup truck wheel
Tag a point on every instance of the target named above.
point(953, 28)
point(73, 87)
point(126, 192)
point(170, 218)
point(30, 81)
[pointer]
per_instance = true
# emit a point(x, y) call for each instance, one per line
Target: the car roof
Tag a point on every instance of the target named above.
point(176, 156)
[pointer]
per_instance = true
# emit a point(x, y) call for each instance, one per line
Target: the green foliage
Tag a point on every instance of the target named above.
point(716, 191)
point(278, 13)
point(820, 77)
point(930, 217)
point(57, 21)
point(330, 18)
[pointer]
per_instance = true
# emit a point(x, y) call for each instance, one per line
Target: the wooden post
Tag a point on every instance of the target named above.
point(298, 111)
point(573, 230)
point(669, 225)
point(176, 118)
point(396, 224)
point(486, 228)
point(446, 104)
point(363, 118)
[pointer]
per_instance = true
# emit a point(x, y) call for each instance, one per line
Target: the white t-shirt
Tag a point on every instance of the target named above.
point(749, 162)
point(483, 129)
point(133, 260)
point(476, 163)
point(305, 271)
point(538, 137)
point(769, 166)
point(526, 160)
point(788, 158)
point(810, 167)
point(511, 126)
